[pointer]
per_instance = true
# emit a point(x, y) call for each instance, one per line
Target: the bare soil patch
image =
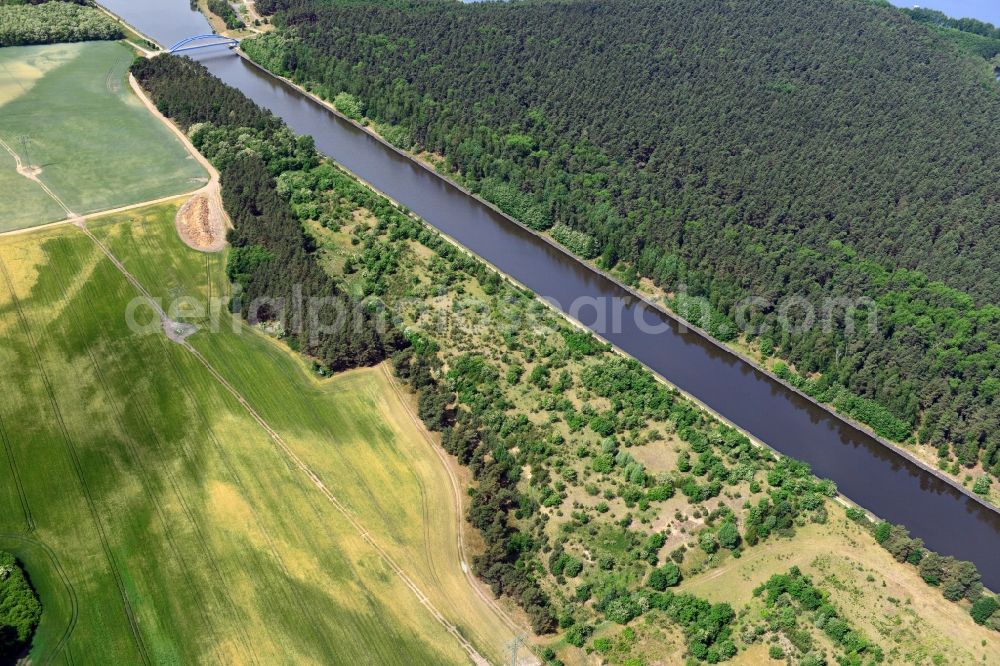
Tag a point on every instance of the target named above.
point(200, 224)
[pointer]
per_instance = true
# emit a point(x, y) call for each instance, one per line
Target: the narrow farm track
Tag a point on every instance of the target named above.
point(211, 557)
point(74, 456)
point(29, 521)
point(27, 172)
point(145, 475)
point(293, 599)
point(474, 583)
point(61, 646)
point(238, 481)
point(362, 531)
point(234, 476)
point(296, 461)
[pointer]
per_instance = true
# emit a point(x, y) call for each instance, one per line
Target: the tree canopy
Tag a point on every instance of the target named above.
point(823, 149)
point(273, 261)
point(49, 22)
point(20, 609)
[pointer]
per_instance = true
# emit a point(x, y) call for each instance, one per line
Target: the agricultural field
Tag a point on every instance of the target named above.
point(72, 119)
point(21, 194)
point(161, 523)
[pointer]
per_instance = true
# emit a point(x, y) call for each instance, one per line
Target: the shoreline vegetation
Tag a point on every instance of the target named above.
point(316, 194)
point(647, 296)
point(843, 405)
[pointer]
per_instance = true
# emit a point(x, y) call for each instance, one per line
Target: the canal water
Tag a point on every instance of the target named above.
point(867, 472)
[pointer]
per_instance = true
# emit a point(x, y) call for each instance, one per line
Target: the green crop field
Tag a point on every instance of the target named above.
point(162, 524)
point(68, 109)
point(20, 194)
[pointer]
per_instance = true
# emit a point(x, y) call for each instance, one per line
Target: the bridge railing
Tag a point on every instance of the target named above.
point(191, 43)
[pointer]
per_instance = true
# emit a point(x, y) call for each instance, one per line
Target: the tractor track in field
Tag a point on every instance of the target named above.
point(474, 583)
point(211, 190)
point(78, 468)
point(348, 466)
point(425, 512)
point(29, 520)
point(199, 534)
point(294, 600)
point(295, 462)
point(138, 460)
point(424, 506)
point(74, 614)
point(347, 513)
point(31, 173)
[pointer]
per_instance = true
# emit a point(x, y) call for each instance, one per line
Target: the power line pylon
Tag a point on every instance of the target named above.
point(515, 646)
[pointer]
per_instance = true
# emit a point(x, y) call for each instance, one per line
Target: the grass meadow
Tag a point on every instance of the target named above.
point(68, 109)
point(160, 522)
point(888, 601)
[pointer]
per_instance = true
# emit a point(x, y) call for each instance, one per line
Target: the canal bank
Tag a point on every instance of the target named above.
point(874, 473)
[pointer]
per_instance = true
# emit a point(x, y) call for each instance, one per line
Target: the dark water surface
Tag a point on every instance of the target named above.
point(865, 471)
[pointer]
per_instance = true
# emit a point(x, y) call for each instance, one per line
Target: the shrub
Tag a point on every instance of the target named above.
point(602, 644)
point(578, 634)
point(708, 542)
point(729, 536)
point(669, 575)
point(984, 608)
point(982, 486)
point(882, 532)
point(622, 610)
point(856, 514)
point(348, 105)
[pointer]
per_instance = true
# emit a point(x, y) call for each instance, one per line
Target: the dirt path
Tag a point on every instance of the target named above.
point(252, 12)
point(218, 220)
point(211, 237)
point(474, 583)
point(32, 173)
point(179, 337)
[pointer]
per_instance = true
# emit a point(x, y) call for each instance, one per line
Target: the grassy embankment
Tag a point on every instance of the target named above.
point(158, 519)
point(69, 111)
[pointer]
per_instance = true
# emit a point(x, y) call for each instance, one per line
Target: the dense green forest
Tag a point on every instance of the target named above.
point(271, 257)
point(20, 610)
point(50, 22)
point(769, 148)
